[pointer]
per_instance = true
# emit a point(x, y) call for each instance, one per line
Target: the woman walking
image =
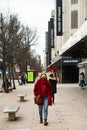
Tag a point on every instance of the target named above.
point(53, 82)
point(82, 80)
point(43, 87)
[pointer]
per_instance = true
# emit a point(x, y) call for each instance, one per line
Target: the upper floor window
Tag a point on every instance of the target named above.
point(74, 19)
point(74, 2)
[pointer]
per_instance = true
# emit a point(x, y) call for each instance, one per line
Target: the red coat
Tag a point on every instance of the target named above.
point(43, 88)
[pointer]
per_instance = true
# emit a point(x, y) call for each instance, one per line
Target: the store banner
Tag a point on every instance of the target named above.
point(52, 32)
point(59, 17)
point(70, 61)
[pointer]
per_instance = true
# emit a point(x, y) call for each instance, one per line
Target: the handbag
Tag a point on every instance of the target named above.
point(38, 99)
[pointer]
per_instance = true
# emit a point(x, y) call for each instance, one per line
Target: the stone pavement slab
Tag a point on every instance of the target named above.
point(22, 129)
point(50, 128)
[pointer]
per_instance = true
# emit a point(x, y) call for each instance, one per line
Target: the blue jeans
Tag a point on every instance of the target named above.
point(45, 107)
point(81, 83)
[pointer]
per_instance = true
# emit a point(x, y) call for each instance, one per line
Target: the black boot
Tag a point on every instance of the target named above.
point(45, 122)
point(41, 120)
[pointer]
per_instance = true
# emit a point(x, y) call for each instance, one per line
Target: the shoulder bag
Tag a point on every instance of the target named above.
point(38, 99)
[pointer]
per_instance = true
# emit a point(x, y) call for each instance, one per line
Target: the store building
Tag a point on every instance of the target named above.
point(70, 40)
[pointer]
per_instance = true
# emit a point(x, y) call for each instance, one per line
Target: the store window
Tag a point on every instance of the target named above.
point(74, 2)
point(74, 19)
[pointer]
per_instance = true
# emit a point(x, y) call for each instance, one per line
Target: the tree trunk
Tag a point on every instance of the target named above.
point(12, 68)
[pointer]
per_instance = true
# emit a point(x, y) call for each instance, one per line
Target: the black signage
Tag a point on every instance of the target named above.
point(72, 61)
point(52, 32)
point(59, 17)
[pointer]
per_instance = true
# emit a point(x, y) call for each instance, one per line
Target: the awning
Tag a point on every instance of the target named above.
point(53, 68)
point(55, 65)
point(68, 61)
point(82, 64)
point(75, 38)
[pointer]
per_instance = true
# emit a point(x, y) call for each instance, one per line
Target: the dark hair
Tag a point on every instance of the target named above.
point(51, 75)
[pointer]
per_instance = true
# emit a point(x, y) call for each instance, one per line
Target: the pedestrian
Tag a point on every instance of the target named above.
point(43, 87)
point(23, 79)
point(53, 82)
point(6, 85)
point(82, 80)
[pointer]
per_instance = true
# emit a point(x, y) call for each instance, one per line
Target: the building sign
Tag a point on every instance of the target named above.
point(52, 38)
point(70, 61)
point(59, 17)
point(51, 29)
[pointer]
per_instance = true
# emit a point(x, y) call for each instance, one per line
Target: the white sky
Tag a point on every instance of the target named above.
point(34, 13)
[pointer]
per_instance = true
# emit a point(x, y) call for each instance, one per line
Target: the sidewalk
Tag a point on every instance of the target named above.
point(68, 113)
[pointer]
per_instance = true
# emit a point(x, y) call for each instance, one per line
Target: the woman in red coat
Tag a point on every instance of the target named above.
point(43, 87)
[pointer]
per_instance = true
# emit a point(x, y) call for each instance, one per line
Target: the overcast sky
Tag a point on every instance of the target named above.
point(34, 13)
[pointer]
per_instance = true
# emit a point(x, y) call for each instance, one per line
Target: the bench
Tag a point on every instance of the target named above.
point(22, 95)
point(11, 110)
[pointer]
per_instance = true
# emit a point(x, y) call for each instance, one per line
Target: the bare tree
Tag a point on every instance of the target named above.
point(16, 41)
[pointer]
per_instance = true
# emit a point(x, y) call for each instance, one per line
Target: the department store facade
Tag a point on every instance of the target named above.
point(69, 45)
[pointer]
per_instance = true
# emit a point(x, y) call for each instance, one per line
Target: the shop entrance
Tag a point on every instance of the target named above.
point(70, 74)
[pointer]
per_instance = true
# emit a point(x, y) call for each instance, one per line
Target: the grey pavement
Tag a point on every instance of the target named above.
point(68, 113)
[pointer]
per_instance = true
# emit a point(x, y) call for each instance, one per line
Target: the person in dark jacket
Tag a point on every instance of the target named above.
point(43, 87)
point(53, 82)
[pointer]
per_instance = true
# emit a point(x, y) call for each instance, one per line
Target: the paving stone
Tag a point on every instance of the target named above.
point(50, 128)
point(23, 129)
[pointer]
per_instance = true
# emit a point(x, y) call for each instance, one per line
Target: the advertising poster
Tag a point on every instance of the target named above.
point(30, 76)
